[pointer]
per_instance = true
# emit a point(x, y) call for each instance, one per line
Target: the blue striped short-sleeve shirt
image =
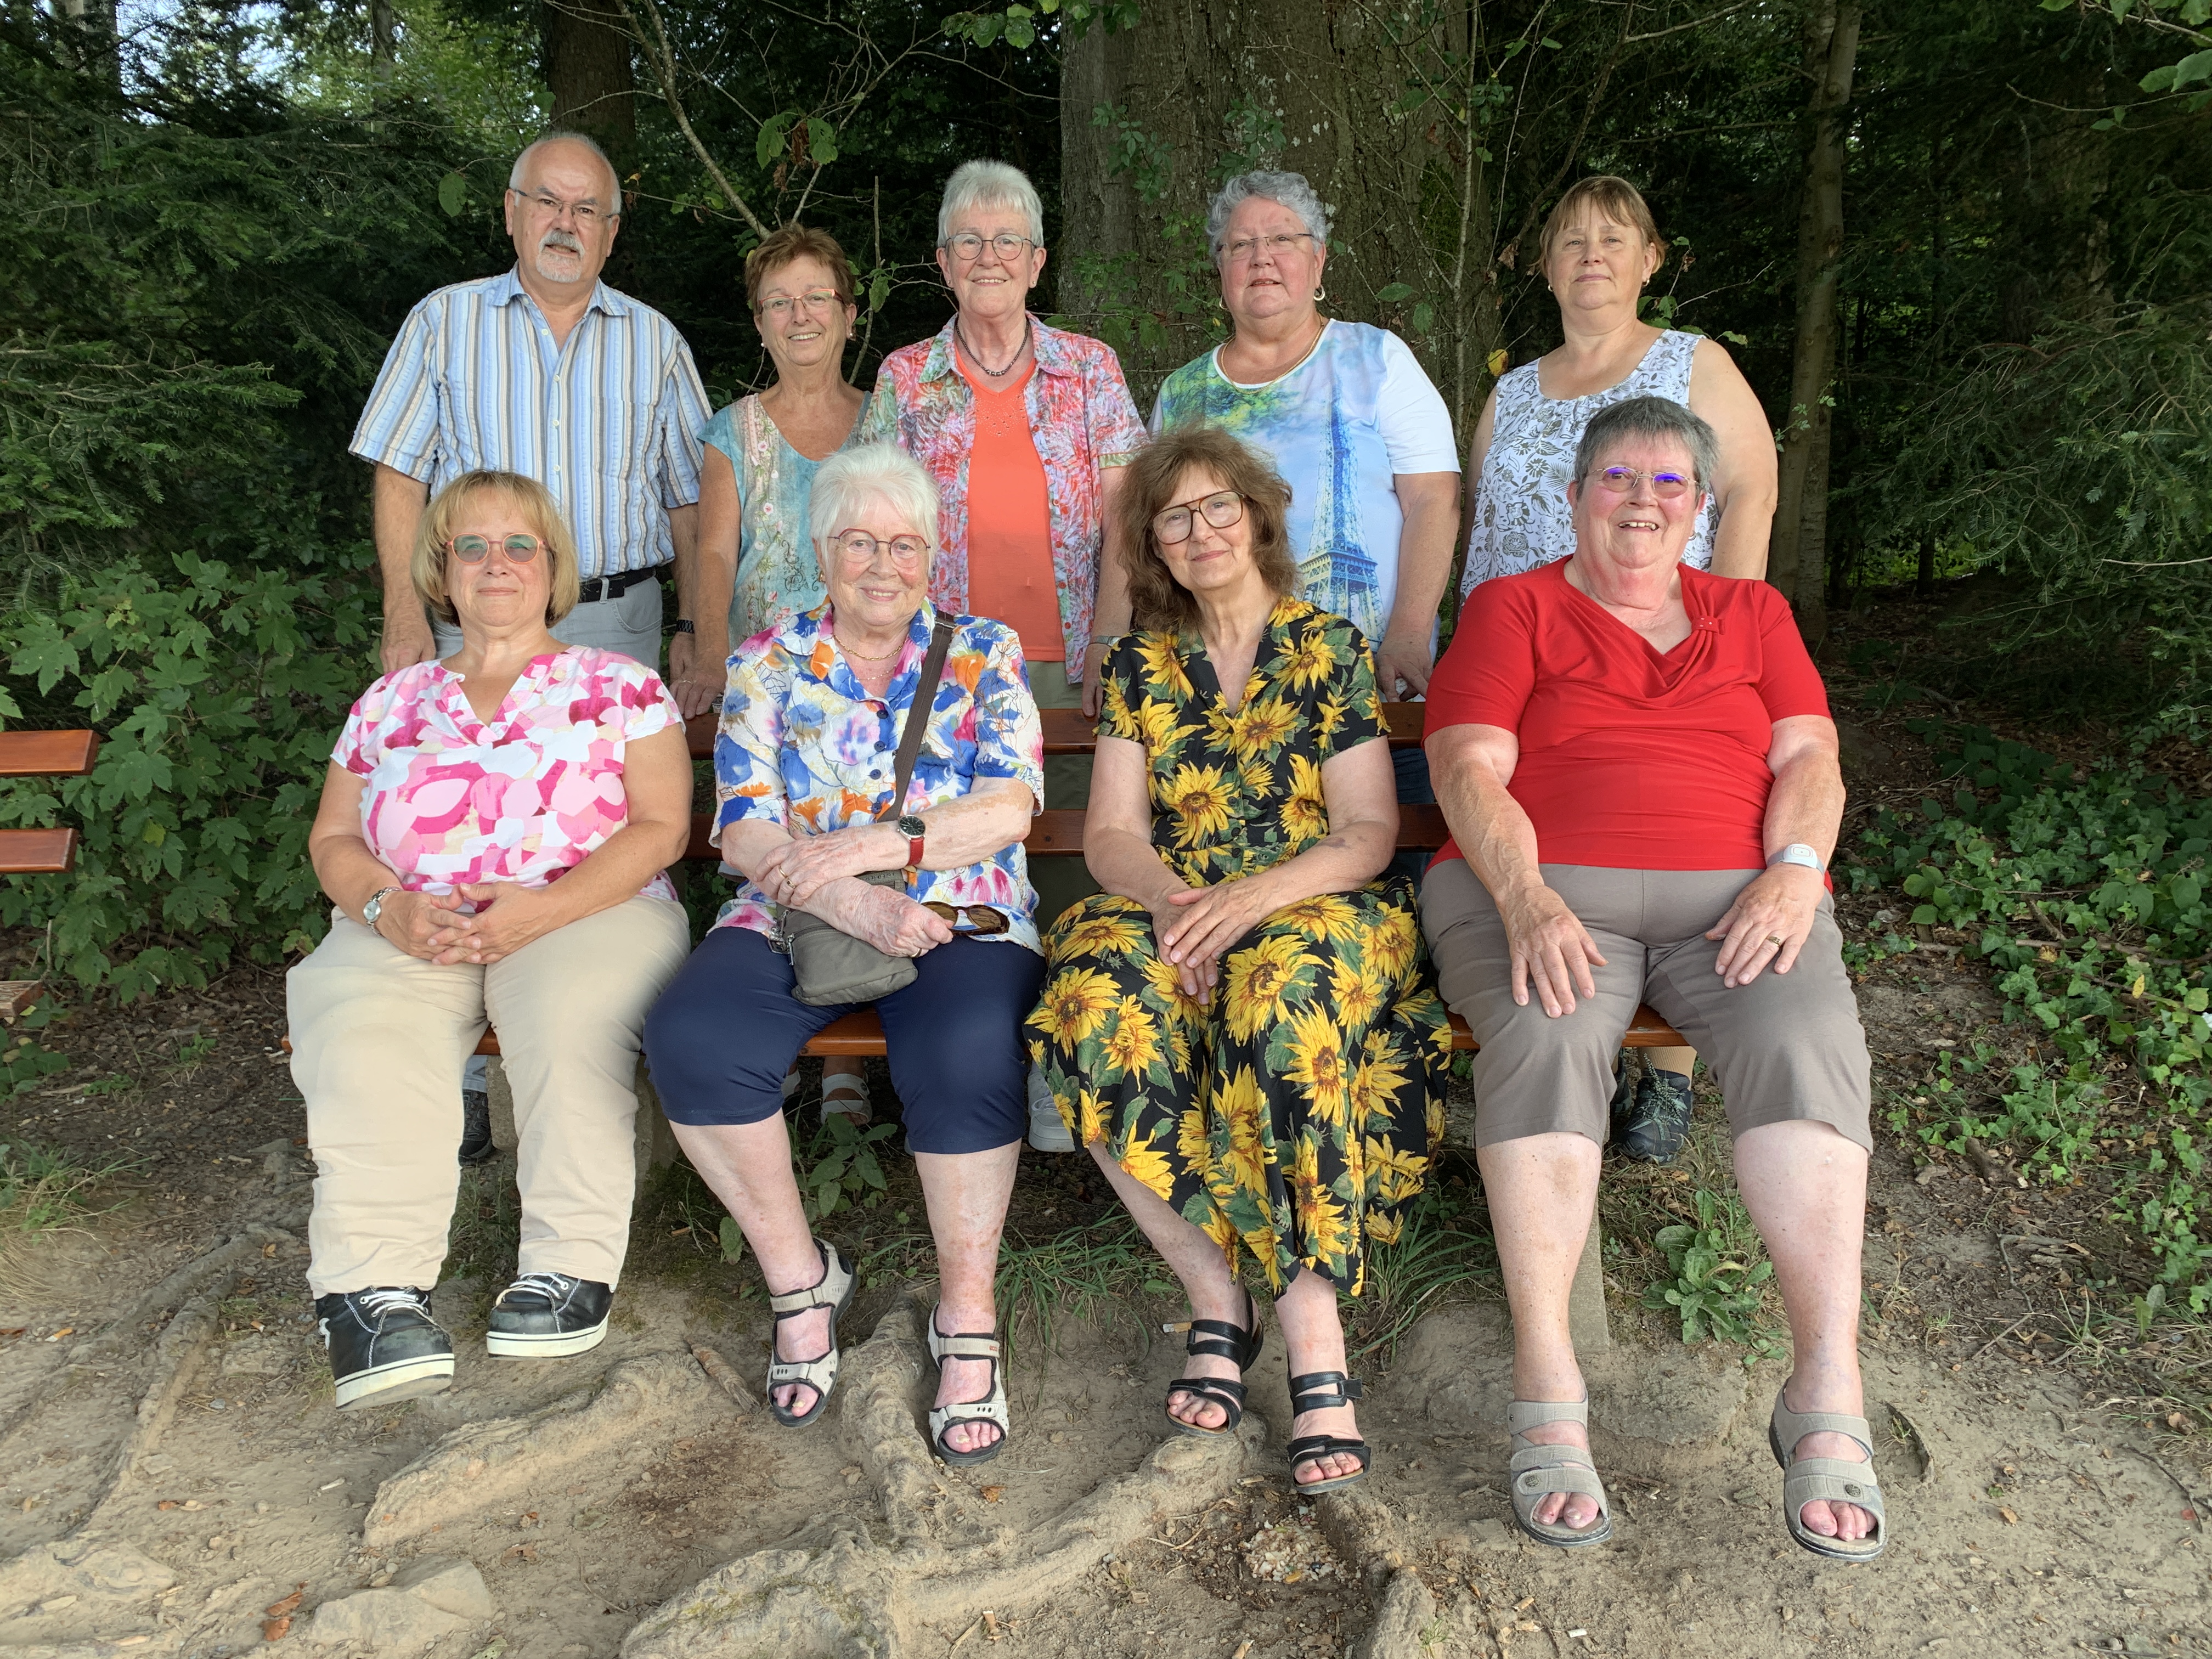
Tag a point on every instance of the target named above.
point(608, 421)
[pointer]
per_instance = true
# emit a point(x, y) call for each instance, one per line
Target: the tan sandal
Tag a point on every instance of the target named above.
point(833, 1291)
point(991, 1408)
point(1825, 1479)
point(1540, 1470)
point(845, 1093)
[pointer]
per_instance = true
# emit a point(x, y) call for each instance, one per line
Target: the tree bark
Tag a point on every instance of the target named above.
point(383, 45)
point(587, 69)
point(1798, 563)
point(91, 41)
point(1204, 88)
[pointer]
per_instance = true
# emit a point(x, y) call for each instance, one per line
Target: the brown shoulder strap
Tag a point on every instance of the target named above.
point(917, 717)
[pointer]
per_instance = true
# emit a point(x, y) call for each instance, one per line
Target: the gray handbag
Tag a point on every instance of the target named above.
point(830, 966)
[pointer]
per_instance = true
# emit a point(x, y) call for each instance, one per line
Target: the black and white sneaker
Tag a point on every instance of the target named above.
point(545, 1315)
point(475, 1127)
point(383, 1345)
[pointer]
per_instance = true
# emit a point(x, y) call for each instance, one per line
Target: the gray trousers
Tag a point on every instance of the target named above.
point(1783, 1046)
point(630, 625)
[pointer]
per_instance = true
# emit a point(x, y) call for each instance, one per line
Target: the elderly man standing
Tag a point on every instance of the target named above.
point(545, 371)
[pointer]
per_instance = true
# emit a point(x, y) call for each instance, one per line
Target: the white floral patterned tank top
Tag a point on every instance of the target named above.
point(1521, 514)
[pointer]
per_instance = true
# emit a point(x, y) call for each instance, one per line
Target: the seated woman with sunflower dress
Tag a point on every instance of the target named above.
point(1243, 1028)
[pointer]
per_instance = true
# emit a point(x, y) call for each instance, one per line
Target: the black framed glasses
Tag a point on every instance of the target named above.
point(969, 918)
point(475, 550)
point(1172, 524)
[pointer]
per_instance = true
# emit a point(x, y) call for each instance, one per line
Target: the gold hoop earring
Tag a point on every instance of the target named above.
point(1320, 295)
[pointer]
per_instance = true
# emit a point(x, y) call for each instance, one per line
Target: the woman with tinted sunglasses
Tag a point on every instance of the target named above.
point(493, 835)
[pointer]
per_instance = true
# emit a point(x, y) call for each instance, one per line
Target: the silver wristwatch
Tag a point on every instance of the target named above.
point(374, 907)
point(1797, 853)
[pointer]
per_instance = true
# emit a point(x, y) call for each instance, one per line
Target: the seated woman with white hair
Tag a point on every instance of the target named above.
point(818, 733)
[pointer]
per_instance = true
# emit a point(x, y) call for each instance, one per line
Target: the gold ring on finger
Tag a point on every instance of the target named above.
point(1775, 939)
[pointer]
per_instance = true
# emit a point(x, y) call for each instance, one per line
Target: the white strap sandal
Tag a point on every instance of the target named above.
point(833, 1291)
point(845, 1093)
point(1540, 1470)
point(991, 1408)
point(1825, 1479)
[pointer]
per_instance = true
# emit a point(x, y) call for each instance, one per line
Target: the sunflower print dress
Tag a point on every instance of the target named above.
point(1298, 1108)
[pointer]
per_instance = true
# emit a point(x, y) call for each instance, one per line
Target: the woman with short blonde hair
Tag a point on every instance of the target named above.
point(493, 835)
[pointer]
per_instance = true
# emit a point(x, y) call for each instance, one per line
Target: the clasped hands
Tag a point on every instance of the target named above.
point(1196, 926)
point(795, 873)
point(506, 917)
point(1766, 926)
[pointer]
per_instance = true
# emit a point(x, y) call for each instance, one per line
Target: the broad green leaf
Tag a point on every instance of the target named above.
point(821, 142)
point(453, 194)
point(1396, 292)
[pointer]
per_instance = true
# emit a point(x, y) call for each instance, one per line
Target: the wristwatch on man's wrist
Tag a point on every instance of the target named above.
point(374, 907)
point(1797, 853)
point(914, 830)
point(685, 625)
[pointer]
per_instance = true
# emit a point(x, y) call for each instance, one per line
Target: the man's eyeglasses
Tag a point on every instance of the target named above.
point(859, 548)
point(1007, 245)
point(1173, 525)
point(979, 918)
point(1279, 245)
point(1666, 486)
point(586, 212)
point(475, 550)
point(781, 306)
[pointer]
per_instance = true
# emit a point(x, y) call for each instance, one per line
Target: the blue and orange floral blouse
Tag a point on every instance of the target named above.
point(803, 744)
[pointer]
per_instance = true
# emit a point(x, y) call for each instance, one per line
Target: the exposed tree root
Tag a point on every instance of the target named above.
point(482, 1464)
point(860, 1597)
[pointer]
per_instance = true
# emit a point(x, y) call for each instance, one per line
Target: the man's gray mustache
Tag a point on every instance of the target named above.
point(562, 240)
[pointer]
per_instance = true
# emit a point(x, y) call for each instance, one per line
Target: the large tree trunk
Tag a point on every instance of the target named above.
point(1798, 561)
point(90, 40)
point(587, 69)
point(1203, 87)
point(383, 45)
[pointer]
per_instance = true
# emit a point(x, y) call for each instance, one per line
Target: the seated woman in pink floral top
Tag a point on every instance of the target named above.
point(494, 833)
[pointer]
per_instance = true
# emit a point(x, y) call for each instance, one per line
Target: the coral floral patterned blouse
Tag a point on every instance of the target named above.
point(525, 798)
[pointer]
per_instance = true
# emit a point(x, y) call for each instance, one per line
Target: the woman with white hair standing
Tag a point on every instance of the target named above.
point(1026, 429)
point(879, 762)
point(1351, 422)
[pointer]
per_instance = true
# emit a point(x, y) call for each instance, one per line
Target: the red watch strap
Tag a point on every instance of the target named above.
point(914, 851)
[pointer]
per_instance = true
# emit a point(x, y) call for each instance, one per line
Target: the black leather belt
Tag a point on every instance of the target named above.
point(597, 588)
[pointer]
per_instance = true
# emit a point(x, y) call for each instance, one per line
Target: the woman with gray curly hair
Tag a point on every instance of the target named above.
point(1348, 417)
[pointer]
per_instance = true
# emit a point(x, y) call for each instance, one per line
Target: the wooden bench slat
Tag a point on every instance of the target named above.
point(1072, 732)
point(1058, 831)
point(47, 754)
point(37, 851)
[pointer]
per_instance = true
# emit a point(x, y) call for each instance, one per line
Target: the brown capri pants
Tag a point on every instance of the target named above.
point(1784, 1048)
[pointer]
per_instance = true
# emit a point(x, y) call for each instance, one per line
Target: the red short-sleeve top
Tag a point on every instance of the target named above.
point(1632, 759)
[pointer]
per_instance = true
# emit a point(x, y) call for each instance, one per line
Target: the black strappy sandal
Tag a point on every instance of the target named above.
point(1218, 1339)
point(1318, 1391)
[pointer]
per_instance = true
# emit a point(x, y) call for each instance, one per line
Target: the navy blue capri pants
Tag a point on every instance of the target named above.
point(727, 1028)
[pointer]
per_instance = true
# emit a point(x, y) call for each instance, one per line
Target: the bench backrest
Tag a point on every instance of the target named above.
point(1058, 830)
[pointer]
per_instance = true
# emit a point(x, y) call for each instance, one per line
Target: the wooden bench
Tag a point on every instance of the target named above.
point(39, 852)
point(1057, 832)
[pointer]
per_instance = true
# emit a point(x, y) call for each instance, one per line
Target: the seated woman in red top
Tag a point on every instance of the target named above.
point(1640, 771)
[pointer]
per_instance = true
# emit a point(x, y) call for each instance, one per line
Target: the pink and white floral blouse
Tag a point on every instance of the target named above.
point(525, 798)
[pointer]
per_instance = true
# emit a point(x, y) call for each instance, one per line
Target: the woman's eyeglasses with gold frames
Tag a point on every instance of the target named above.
point(1173, 524)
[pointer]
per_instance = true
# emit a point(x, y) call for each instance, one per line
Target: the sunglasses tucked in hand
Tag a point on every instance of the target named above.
point(980, 918)
point(475, 550)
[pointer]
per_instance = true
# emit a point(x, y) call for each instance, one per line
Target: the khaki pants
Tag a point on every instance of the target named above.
point(1060, 880)
point(379, 1040)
